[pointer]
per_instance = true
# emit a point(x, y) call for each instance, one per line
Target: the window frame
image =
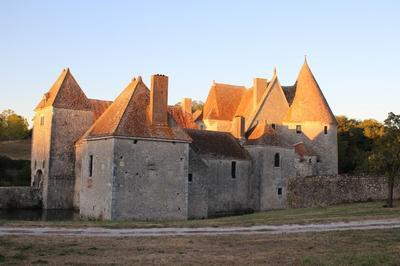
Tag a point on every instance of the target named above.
point(277, 160)
point(233, 169)
point(90, 168)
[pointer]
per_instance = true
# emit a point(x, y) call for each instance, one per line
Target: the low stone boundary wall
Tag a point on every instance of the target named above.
point(20, 197)
point(329, 190)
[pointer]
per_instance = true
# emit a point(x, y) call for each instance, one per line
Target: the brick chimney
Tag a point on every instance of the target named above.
point(238, 127)
point(259, 87)
point(159, 100)
point(186, 105)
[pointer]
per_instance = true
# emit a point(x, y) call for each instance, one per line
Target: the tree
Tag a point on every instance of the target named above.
point(13, 126)
point(385, 157)
point(197, 105)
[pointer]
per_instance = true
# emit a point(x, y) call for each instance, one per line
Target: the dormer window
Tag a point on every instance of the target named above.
point(325, 130)
point(273, 126)
point(298, 129)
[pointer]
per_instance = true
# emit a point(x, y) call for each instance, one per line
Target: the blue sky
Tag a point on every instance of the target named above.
point(352, 48)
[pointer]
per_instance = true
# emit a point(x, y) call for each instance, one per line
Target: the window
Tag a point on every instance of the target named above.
point(298, 129)
point(277, 160)
point(273, 126)
point(325, 130)
point(43, 163)
point(233, 169)
point(279, 191)
point(90, 165)
point(135, 141)
point(42, 120)
point(35, 165)
point(190, 177)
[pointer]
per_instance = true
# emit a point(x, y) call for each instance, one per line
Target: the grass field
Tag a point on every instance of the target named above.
point(16, 149)
point(344, 212)
point(373, 247)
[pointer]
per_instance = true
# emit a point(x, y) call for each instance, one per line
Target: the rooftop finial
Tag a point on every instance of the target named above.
point(274, 71)
point(305, 59)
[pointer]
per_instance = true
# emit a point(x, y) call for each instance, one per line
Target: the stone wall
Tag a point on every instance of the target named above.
point(20, 197)
point(329, 190)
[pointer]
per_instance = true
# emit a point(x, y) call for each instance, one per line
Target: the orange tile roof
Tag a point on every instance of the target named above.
point(223, 101)
point(303, 150)
point(184, 120)
point(98, 107)
point(309, 104)
point(198, 115)
point(129, 116)
point(65, 93)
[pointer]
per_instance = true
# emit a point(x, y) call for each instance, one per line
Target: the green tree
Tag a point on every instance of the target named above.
point(13, 126)
point(385, 158)
point(197, 105)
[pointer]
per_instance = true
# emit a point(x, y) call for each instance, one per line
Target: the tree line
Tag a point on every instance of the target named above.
point(368, 146)
point(13, 126)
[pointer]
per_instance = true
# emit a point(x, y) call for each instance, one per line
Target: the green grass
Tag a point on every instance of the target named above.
point(343, 212)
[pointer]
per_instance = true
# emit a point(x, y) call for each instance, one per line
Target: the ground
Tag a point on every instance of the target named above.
point(373, 247)
point(353, 247)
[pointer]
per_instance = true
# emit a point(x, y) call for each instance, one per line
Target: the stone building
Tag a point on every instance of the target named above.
point(137, 157)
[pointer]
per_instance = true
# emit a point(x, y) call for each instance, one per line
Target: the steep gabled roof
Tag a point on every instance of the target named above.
point(65, 93)
point(222, 101)
point(128, 116)
point(309, 104)
point(216, 144)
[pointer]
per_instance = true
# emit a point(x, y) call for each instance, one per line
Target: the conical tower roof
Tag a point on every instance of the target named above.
point(65, 93)
point(309, 104)
point(129, 116)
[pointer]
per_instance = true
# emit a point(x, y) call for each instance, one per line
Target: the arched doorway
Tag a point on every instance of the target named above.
point(38, 179)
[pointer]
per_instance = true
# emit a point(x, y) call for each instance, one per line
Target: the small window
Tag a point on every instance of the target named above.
point(135, 141)
point(279, 191)
point(233, 169)
point(273, 126)
point(190, 177)
point(43, 163)
point(277, 160)
point(42, 120)
point(298, 129)
point(90, 165)
point(35, 165)
point(325, 130)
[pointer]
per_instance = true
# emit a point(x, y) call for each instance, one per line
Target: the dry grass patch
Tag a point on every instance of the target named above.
point(374, 247)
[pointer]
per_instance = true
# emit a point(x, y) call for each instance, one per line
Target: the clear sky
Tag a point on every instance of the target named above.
point(352, 48)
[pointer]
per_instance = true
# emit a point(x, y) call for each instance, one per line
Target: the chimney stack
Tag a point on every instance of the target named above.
point(238, 127)
point(259, 87)
point(186, 105)
point(159, 100)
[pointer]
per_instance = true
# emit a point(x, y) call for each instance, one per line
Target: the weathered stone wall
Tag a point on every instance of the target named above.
point(227, 195)
point(269, 183)
point(96, 191)
point(198, 189)
point(329, 190)
point(20, 198)
point(150, 179)
point(67, 127)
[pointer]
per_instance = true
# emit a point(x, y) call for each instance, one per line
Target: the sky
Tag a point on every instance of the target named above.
point(352, 48)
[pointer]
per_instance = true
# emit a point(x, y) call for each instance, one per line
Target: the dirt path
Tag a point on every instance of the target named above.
point(263, 229)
